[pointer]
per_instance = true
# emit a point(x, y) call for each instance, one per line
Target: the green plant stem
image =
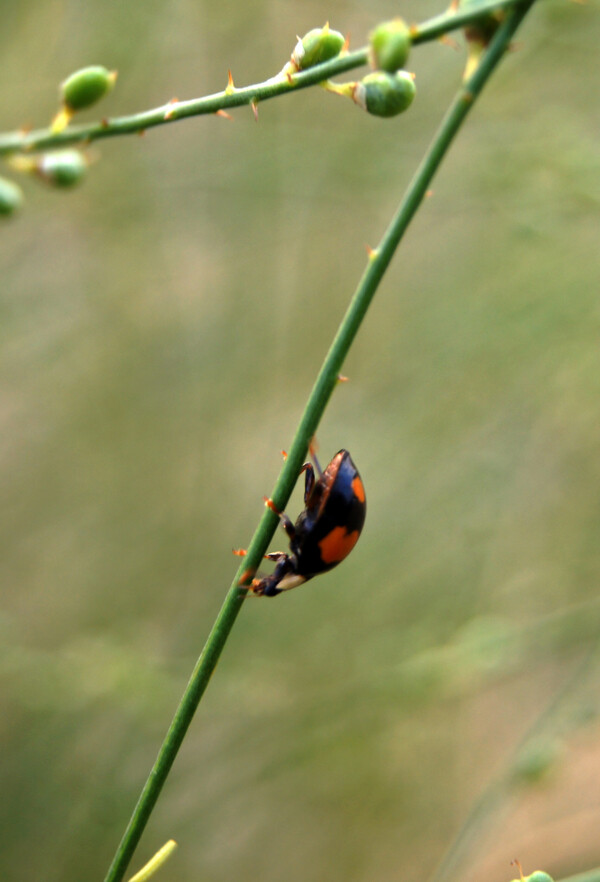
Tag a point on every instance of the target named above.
point(587, 876)
point(45, 139)
point(379, 260)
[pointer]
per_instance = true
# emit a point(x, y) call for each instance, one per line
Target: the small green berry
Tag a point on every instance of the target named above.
point(317, 46)
point(536, 876)
point(385, 94)
point(86, 86)
point(11, 196)
point(390, 45)
point(62, 168)
point(533, 764)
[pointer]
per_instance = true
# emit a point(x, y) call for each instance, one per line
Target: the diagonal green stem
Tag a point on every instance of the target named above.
point(379, 261)
point(45, 139)
point(587, 876)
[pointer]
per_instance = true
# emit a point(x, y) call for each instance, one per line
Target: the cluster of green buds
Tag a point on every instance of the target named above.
point(59, 168)
point(81, 90)
point(387, 90)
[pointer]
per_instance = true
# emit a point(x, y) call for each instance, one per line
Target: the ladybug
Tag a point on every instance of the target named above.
point(325, 532)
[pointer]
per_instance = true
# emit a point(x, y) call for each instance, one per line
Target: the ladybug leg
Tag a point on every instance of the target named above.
point(312, 449)
point(273, 555)
point(309, 480)
point(267, 586)
point(285, 521)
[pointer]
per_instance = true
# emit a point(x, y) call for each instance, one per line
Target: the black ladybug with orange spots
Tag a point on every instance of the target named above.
point(325, 532)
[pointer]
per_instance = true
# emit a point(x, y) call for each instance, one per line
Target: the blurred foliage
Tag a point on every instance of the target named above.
point(161, 327)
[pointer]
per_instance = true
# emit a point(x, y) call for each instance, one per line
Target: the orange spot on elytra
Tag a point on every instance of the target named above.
point(337, 545)
point(358, 489)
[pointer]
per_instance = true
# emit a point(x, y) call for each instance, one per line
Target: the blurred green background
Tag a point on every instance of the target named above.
point(161, 328)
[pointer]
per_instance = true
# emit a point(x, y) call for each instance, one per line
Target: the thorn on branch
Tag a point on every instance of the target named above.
point(447, 40)
point(230, 87)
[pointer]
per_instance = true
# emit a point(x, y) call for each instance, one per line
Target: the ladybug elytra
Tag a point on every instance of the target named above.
point(325, 532)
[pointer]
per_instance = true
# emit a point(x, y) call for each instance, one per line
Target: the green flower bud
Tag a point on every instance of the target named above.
point(11, 196)
point(86, 86)
point(318, 45)
point(385, 94)
point(536, 876)
point(82, 89)
point(534, 762)
point(390, 45)
point(62, 168)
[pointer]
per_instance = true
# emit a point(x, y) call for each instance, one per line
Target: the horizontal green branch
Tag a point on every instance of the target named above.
point(232, 97)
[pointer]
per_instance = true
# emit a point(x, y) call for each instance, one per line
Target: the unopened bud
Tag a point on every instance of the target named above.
point(385, 94)
point(315, 47)
point(11, 196)
point(62, 168)
point(86, 86)
point(82, 89)
point(390, 45)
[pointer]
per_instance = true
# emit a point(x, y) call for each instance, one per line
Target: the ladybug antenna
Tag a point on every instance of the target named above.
point(312, 449)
